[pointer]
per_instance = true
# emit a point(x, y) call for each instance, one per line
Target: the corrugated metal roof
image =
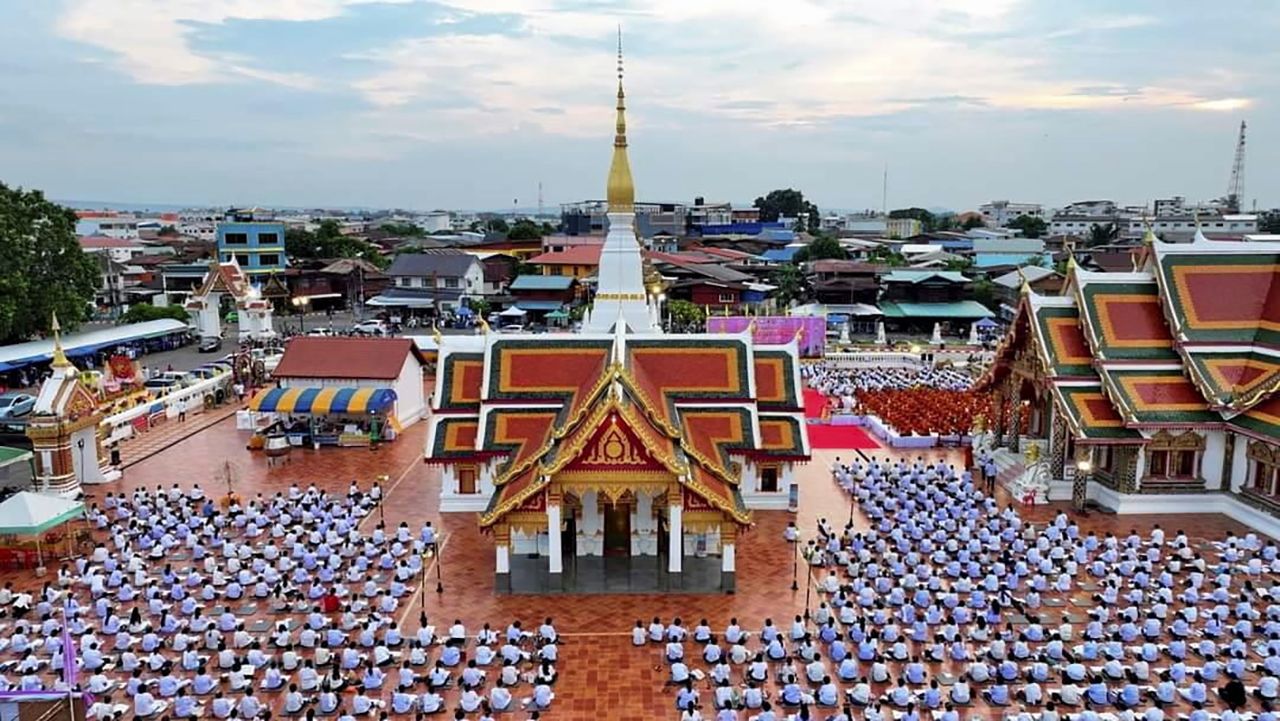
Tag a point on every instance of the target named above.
point(357, 358)
point(452, 264)
point(541, 282)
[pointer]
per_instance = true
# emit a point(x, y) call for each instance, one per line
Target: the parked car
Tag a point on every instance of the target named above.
point(209, 344)
point(370, 327)
point(13, 405)
point(160, 386)
point(513, 328)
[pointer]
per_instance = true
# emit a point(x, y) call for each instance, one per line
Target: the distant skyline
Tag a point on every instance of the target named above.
point(472, 103)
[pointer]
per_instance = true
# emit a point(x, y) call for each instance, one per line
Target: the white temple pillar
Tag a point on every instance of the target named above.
point(675, 545)
point(726, 558)
point(556, 560)
point(502, 559)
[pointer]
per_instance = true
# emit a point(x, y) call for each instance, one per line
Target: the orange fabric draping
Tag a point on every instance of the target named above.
point(922, 411)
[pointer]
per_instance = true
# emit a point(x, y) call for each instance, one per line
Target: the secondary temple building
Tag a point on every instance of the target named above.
point(618, 458)
point(1165, 379)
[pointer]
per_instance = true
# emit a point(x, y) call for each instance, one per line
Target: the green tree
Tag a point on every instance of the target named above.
point(525, 229)
point(823, 246)
point(1101, 234)
point(788, 203)
point(984, 291)
point(885, 255)
point(43, 270)
point(328, 242)
point(973, 221)
point(959, 265)
point(145, 311)
point(685, 314)
point(1031, 226)
point(928, 222)
point(791, 285)
point(404, 230)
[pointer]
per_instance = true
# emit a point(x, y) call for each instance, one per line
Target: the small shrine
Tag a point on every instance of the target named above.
point(65, 431)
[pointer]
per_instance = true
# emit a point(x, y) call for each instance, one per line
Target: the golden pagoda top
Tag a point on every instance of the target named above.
point(620, 191)
point(59, 356)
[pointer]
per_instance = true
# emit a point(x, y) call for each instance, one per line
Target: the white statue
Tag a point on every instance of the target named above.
point(882, 339)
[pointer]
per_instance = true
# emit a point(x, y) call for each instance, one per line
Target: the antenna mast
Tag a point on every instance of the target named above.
point(1235, 189)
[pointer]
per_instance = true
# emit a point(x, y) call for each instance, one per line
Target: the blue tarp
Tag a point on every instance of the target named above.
point(464, 311)
point(987, 323)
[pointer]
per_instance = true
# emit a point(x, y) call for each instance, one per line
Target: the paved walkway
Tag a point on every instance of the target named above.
point(144, 444)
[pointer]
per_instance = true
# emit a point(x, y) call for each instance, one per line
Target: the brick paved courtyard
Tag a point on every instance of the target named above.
point(602, 674)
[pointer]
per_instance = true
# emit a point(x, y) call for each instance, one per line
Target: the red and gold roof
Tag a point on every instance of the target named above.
point(1091, 414)
point(556, 405)
point(1223, 301)
point(1162, 397)
point(1122, 316)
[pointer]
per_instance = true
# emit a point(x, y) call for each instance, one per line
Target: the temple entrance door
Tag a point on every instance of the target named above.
point(617, 530)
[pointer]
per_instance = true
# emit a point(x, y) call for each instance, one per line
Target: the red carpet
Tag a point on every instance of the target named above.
point(842, 437)
point(814, 402)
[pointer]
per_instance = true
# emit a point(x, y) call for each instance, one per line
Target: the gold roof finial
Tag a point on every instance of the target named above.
point(620, 191)
point(59, 357)
point(435, 334)
point(1149, 235)
point(484, 325)
point(1025, 286)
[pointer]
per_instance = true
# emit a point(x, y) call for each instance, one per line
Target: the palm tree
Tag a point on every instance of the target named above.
point(1102, 234)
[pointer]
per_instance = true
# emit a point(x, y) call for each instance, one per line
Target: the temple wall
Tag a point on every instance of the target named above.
point(1215, 446)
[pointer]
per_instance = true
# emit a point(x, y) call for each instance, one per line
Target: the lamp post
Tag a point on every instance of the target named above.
point(434, 550)
point(795, 564)
point(300, 304)
point(1080, 485)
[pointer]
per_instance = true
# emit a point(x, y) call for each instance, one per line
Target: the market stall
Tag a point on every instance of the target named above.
point(330, 416)
point(25, 518)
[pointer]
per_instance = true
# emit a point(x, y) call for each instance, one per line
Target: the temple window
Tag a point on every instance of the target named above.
point(768, 479)
point(1171, 457)
point(1264, 467)
point(467, 479)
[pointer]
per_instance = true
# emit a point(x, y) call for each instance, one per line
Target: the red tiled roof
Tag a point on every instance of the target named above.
point(101, 242)
point(359, 358)
point(573, 255)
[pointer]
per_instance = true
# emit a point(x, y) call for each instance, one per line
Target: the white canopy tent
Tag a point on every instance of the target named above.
point(31, 514)
point(512, 312)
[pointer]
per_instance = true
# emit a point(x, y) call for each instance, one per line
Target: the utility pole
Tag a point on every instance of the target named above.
point(884, 193)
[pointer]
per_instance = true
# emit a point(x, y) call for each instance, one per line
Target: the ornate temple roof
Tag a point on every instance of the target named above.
point(1222, 301)
point(688, 406)
point(1190, 339)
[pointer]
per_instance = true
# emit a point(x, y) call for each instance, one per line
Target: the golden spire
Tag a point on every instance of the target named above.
point(620, 191)
point(59, 357)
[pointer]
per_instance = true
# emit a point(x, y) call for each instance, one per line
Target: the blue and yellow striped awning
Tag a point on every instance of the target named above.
point(322, 401)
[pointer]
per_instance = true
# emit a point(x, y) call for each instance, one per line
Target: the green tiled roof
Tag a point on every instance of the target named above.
point(957, 310)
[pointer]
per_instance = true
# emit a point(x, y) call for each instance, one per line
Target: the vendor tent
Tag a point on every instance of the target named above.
point(320, 401)
point(512, 312)
point(987, 323)
point(31, 514)
point(463, 311)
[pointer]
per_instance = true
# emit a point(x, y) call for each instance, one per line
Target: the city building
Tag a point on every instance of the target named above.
point(1154, 390)
point(618, 441)
point(576, 261)
point(917, 300)
point(1177, 228)
point(255, 244)
point(435, 221)
point(438, 281)
point(999, 213)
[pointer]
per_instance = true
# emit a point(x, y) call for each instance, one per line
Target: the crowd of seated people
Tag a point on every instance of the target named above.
point(945, 604)
point(912, 401)
point(291, 604)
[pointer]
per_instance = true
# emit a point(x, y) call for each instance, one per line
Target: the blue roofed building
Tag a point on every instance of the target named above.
point(256, 245)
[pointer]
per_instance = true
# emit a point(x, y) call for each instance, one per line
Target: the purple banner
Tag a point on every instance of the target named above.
point(777, 330)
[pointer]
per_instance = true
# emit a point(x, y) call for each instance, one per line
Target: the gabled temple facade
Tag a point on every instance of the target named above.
point(621, 445)
point(1166, 379)
point(618, 442)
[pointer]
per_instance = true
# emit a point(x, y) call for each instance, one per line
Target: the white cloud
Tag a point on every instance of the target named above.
point(150, 41)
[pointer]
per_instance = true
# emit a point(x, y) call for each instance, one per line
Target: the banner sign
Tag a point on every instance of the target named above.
point(777, 330)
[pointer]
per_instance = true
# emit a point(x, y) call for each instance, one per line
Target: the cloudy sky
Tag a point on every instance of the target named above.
point(471, 103)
